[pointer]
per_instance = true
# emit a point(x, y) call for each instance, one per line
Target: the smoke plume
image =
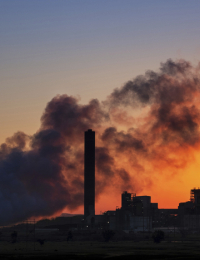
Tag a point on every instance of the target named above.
point(151, 122)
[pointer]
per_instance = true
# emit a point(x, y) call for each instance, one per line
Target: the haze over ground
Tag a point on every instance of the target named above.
point(85, 49)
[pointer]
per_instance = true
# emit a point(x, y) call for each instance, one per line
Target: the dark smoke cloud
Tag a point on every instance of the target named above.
point(31, 182)
point(122, 141)
point(64, 114)
point(148, 125)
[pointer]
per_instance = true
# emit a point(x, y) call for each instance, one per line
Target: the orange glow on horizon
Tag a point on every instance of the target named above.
point(168, 191)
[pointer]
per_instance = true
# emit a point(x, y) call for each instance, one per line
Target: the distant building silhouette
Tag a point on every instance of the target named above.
point(195, 197)
point(89, 177)
point(189, 211)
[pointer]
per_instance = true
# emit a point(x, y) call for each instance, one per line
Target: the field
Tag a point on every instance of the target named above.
point(100, 250)
point(31, 243)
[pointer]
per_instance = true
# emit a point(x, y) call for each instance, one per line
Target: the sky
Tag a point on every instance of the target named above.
point(86, 49)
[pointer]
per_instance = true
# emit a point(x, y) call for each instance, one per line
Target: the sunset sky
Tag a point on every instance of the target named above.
point(86, 49)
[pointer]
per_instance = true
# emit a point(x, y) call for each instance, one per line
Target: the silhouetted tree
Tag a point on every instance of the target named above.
point(69, 236)
point(41, 241)
point(158, 235)
point(14, 237)
point(183, 233)
point(107, 234)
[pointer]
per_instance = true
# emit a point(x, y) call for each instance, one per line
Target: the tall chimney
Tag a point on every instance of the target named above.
point(89, 177)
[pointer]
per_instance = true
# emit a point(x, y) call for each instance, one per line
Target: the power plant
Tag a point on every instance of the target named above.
point(89, 177)
point(136, 212)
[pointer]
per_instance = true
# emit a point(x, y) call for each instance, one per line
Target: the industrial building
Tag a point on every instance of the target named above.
point(134, 214)
point(137, 213)
point(189, 211)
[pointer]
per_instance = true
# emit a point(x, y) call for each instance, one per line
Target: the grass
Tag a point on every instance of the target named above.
point(136, 246)
point(111, 250)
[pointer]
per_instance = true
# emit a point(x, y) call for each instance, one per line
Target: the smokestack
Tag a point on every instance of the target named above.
point(89, 177)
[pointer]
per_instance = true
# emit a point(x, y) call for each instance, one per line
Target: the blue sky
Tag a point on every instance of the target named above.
point(85, 48)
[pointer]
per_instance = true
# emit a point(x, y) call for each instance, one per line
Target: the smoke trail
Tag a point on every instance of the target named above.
point(151, 122)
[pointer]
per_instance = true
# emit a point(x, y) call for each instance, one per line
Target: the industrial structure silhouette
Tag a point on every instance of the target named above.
point(89, 176)
point(137, 212)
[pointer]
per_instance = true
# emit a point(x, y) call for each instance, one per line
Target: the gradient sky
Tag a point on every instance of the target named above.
point(86, 49)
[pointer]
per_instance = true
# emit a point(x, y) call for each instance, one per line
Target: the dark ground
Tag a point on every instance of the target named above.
point(91, 245)
point(101, 250)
